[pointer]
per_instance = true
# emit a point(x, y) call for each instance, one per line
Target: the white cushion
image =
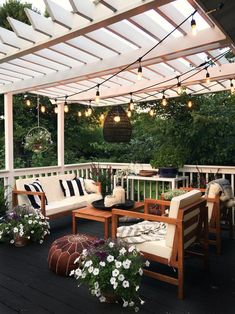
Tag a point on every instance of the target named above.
point(156, 248)
point(176, 203)
point(71, 203)
point(91, 186)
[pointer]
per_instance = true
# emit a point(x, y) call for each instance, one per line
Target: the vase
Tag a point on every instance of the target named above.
point(20, 241)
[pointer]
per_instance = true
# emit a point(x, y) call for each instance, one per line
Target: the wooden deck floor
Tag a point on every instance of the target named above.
point(27, 286)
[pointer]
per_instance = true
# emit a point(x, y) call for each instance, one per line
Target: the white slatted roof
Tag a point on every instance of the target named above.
point(72, 51)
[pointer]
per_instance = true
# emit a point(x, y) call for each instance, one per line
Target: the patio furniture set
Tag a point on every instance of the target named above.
point(186, 223)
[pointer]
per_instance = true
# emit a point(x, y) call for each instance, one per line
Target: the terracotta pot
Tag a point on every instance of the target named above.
point(20, 241)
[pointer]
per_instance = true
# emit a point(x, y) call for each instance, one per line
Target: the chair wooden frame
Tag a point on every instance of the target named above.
point(178, 252)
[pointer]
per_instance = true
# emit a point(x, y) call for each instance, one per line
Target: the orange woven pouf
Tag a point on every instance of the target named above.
point(65, 250)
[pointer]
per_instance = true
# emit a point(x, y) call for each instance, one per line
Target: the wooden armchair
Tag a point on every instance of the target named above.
point(187, 223)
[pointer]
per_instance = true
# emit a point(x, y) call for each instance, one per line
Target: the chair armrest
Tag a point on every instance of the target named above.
point(190, 189)
point(121, 212)
point(22, 192)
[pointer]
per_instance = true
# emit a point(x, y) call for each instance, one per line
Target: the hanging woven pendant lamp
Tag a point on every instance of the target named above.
point(117, 126)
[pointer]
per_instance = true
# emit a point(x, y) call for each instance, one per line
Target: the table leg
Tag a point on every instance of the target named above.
point(74, 225)
point(106, 228)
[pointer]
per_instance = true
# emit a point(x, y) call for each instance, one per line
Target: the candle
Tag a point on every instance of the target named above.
point(119, 194)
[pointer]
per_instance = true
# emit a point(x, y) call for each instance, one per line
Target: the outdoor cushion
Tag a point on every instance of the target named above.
point(35, 186)
point(176, 203)
point(156, 248)
point(73, 187)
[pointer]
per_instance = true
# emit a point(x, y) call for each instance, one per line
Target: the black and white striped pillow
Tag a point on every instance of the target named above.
point(35, 200)
point(73, 187)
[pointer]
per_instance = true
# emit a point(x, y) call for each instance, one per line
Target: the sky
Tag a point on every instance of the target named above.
point(39, 4)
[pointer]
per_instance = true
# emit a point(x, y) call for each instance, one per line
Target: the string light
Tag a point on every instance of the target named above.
point(151, 112)
point(193, 26)
point(179, 87)
point(208, 80)
point(102, 116)
point(66, 107)
point(43, 109)
point(131, 105)
point(164, 101)
point(139, 72)
point(89, 110)
point(97, 95)
point(231, 86)
point(79, 114)
point(117, 117)
point(27, 100)
point(190, 103)
point(128, 113)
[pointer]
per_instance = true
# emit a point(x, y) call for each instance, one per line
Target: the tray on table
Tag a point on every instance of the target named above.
point(100, 205)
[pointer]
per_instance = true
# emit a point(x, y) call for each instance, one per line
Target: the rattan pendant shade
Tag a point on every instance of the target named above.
point(117, 132)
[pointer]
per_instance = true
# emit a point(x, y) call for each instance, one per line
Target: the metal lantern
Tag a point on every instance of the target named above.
point(117, 126)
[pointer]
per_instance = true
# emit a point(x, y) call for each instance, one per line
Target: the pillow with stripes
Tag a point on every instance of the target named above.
point(73, 187)
point(35, 200)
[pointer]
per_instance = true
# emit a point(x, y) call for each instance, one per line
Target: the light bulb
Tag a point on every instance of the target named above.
point(194, 27)
point(56, 109)
point(102, 116)
point(190, 104)
point(28, 102)
point(97, 96)
point(66, 108)
point(79, 114)
point(131, 106)
point(139, 73)
point(117, 118)
point(231, 87)
point(89, 111)
point(151, 112)
point(129, 113)
point(208, 77)
point(179, 89)
point(164, 101)
point(86, 113)
point(43, 109)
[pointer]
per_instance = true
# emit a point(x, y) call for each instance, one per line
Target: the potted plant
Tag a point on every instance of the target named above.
point(23, 224)
point(104, 177)
point(168, 159)
point(112, 270)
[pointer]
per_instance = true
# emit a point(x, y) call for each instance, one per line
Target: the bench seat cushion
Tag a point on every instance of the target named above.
point(71, 203)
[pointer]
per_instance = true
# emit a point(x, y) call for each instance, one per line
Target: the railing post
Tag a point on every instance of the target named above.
point(60, 136)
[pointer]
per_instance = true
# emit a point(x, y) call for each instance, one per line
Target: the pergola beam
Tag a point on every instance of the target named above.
point(208, 40)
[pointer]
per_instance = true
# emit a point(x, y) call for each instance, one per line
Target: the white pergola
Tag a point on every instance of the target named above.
point(74, 50)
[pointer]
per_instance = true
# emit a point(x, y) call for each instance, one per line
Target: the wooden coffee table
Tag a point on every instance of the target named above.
point(91, 213)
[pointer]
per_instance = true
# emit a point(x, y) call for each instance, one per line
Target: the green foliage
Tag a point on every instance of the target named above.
point(104, 176)
point(4, 203)
point(112, 268)
point(169, 156)
point(172, 193)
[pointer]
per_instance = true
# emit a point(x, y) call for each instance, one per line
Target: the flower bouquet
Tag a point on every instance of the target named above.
point(23, 224)
point(112, 271)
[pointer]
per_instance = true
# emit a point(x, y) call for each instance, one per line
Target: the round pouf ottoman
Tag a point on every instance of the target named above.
point(65, 250)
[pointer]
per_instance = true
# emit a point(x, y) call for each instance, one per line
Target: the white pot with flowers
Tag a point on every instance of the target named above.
point(112, 271)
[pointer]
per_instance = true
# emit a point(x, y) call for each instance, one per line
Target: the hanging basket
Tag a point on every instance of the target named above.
point(38, 139)
point(117, 132)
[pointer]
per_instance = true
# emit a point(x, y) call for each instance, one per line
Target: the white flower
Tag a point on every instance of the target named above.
point(125, 303)
point(93, 292)
point(112, 280)
point(147, 263)
point(102, 264)
point(142, 302)
point(41, 242)
point(88, 263)
point(131, 303)
point(96, 271)
point(131, 248)
point(111, 244)
point(96, 285)
point(97, 293)
point(118, 264)
point(30, 222)
point(84, 275)
point(137, 309)
point(141, 271)
point(72, 272)
point(126, 264)
point(115, 285)
point(32, 231)
point(121, 277)
point(125, 284)
point(78, 272)
point(12, 241)
point(102, 299)
point(137, 288)
point(84, 252)
point(90, 269)
point(15, 230)
point(115, 272)
point(122, 251)
point(110, 258)
point(77, 259)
